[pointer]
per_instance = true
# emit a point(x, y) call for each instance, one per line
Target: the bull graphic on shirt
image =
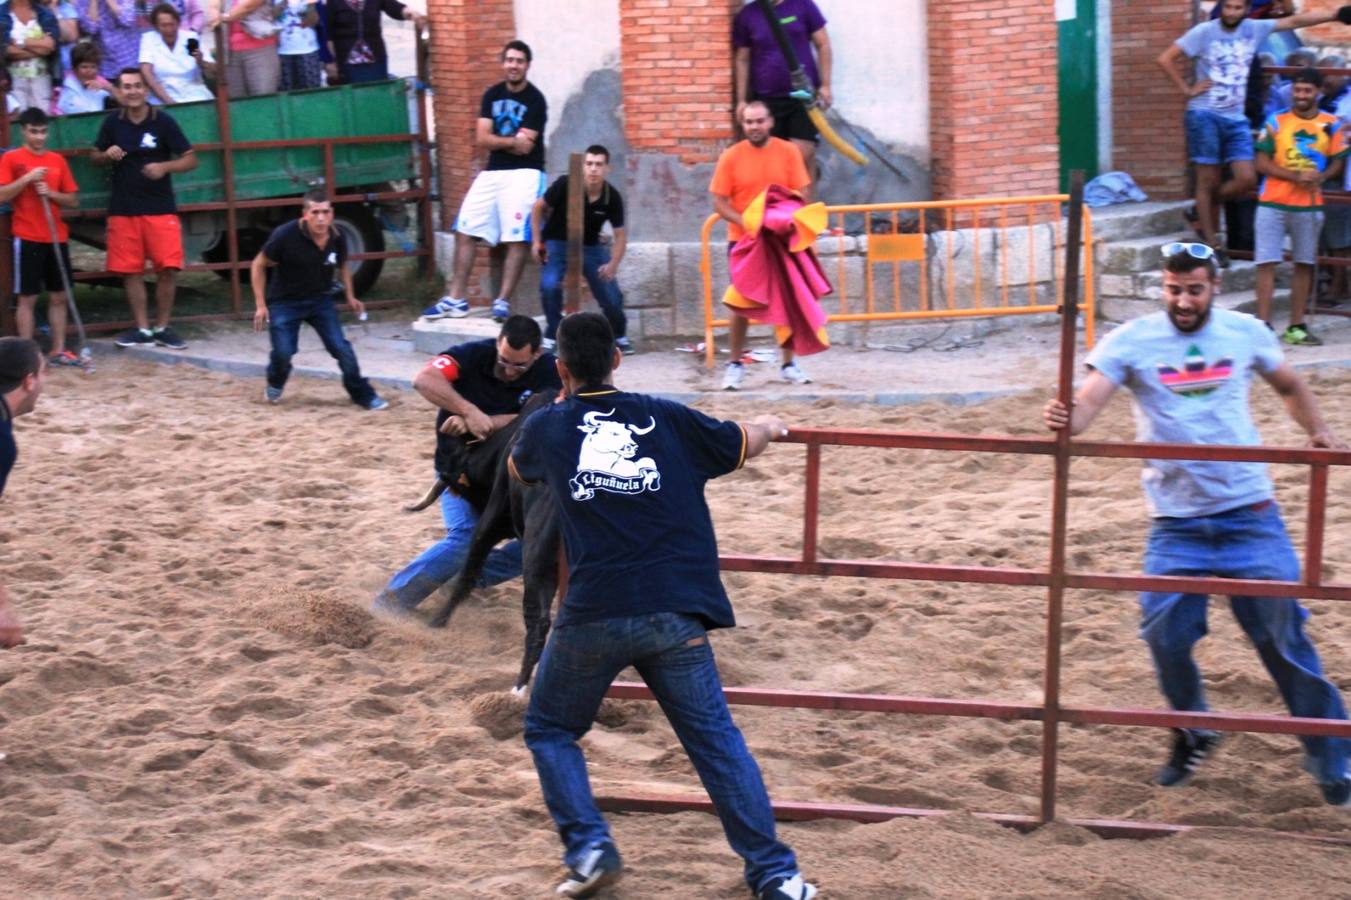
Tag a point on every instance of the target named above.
point(606, 463)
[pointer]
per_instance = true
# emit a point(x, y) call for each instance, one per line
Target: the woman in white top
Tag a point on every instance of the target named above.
point(173, 61)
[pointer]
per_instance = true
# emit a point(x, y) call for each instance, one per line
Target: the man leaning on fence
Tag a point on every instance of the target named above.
point(1189, 368)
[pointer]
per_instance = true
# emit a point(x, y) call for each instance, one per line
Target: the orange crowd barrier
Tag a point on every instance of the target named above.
point(940, 259)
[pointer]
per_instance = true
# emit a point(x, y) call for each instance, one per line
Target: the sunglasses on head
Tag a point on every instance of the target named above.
point(1194, 250)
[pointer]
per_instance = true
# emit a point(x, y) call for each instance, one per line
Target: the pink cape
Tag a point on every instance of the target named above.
point(776, 277)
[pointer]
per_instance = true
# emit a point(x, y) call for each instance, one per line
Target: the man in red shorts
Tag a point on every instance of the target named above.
point(145, 147)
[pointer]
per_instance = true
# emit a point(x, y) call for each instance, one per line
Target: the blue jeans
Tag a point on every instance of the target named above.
point(672, 654)
point(1240, 543)
point(320, 314)
point(607, 293)
point(1213, 139)
point(441, 561)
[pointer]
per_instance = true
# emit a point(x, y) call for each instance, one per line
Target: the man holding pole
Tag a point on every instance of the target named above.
point(1189, 368)
point(31, 176)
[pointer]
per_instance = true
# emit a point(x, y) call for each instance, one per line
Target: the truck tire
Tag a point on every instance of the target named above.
point(364, 235)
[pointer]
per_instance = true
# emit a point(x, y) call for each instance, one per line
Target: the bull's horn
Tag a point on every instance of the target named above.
point(591, 417)
point(436, 490)
point(652, 423)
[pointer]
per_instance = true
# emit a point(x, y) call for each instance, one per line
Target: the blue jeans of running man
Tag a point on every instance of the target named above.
point(672, 654)
point(1241, 543)
point(607, 293)
point(321, 314)
point(440, 562)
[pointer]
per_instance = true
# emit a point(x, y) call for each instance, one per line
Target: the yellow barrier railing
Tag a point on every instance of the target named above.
point(939, 260)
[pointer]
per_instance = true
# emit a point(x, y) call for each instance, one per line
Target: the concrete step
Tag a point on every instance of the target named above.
point(1129, 220)
point(1140, 254)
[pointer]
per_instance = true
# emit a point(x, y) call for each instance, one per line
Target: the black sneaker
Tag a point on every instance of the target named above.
point(166, 337)
point(600, 866)
point(787, 889)
point(1221, 258)
point(135, 337)
point(1189, 749)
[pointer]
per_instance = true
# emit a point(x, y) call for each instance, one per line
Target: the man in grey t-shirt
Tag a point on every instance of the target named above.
point(1189, 368)
point(1217, 131)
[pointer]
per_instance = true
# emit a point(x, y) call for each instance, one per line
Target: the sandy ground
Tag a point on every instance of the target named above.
point(204, 709)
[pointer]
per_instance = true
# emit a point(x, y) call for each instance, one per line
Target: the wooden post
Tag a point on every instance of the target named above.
point(572, 282)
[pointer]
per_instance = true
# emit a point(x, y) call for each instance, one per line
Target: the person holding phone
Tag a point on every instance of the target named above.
point(173, 61)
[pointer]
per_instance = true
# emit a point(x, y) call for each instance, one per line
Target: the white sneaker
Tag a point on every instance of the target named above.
point(731, 378)
point(547, 345)
point(787, 889)
point(793, 374)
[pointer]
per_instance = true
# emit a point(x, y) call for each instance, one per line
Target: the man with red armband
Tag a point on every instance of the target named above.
point(477, 387)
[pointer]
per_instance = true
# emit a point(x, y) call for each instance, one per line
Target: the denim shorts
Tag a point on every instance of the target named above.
point(1270, 227)
point(1213, 139)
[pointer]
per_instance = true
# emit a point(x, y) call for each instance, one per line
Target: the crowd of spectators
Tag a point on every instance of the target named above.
point(62, 55)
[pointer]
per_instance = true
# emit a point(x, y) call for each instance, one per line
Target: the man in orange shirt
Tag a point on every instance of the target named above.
point(37, 260)
point(744, 170)
point(1297, 151)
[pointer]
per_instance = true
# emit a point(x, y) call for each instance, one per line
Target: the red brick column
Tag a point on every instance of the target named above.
point(466, 40)
point(677, 76)
point(1148, 140)
point(993, 98)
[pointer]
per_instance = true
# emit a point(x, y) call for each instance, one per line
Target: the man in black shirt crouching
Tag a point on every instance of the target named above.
point(307, 254)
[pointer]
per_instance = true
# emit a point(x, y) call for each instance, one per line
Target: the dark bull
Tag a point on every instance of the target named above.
point(509, 509)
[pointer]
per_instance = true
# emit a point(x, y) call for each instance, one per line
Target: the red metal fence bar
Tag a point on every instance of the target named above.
point(1055, 578)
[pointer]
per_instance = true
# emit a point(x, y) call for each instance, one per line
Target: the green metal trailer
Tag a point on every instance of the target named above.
point(279, 145)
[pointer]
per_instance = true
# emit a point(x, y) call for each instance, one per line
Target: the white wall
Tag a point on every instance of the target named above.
point(569, 40)
point(881, 79)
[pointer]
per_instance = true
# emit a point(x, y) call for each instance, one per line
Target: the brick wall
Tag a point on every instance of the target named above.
point(1147, 136)
point(1333, 34)
point(676, 59)
point(993, 98)
point(467, 38)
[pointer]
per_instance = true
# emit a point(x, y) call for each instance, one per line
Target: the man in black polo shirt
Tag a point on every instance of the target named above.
point(628, 473)
point(603, 204)
point(145, 147)
point(307, 254)
point(496, 210)
point(477, 387)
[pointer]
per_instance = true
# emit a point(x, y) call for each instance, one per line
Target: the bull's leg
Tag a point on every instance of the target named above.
point(543, 544)
point(494, 525)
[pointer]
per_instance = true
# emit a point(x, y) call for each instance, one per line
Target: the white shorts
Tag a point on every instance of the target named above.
point(497, 206)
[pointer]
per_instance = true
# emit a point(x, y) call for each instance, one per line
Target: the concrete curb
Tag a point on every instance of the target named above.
point(248, 369)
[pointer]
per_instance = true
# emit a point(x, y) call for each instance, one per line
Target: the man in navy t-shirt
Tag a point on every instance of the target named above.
point(22, 370)
point(628, 473)
point(477, 388)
